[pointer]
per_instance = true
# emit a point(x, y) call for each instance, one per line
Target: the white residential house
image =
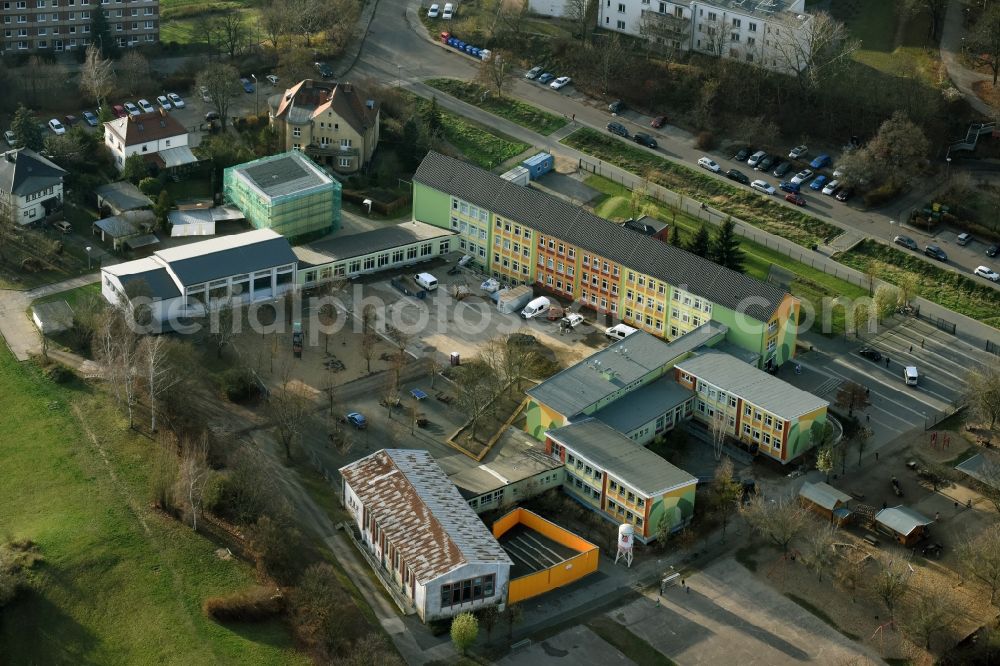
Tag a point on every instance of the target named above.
point(158, 137)
point(427, 546)
point(768, 33)
point(31, 187)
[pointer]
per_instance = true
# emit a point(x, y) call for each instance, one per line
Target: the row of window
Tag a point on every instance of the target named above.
point(516, 266)
point(693, 301)
point(617, 509)
point(469, 210)
point(758, 436)
point(515, 229)
point(615, 487)
point(472, 589)
point(639, 318)
point(593, 300)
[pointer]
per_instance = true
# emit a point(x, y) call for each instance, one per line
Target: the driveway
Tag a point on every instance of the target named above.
point(16, 326)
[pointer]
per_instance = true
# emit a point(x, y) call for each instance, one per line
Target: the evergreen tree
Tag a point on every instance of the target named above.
point(675, 237)
point(433, 118)
point(725, 248)
point(412, 147)
point(135, 168)
point(26, 130)
point(100, 33)
point(163, 205)
point(700, 243)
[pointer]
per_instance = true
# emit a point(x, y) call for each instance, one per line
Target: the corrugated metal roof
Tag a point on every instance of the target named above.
point(147, 272)
point(553, 216)
point(227, 255)
point(644, 405)
point(123, 195)
point(901, 519)
point(421, 512)
point(634, 464)
point(983, 467)
point(755, 386)
point(340, 248)
point(823, 495)
point(614, 368)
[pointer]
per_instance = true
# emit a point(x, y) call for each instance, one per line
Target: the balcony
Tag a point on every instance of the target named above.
point(332, 150)
point(655, 24)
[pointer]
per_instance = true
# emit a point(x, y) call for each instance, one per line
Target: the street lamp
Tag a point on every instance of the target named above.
point(892, 226)
point(88, 248)
point(948, 176)
point(399, 75)
point(256, 89)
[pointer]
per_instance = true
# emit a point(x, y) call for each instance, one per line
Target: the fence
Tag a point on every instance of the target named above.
point(942, 324)
point(992, 347)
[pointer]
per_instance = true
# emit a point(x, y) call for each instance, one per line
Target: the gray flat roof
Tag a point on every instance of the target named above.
point(227, 255)
point(983, 467)
point(517, 457)
point(285, 174)
point(340, 248)
point(123, 195)
point(644, 404)
point(634, 464)
point(902, 519)
point(823, 494)
point(752, 385)
point(614, 368)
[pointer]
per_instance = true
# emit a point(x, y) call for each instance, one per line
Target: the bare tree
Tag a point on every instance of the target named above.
point(225, 323)
point(986, 40)
point(851, 396)
point(192, 475)
point(818, 553)
point(779, 520)
point(982, 390)
point(886, 300)
point(119, 356)
point(309, 17)
point(719, 429)
point(369, 334)
point(274, 21)
point(97, 75)
point(890, 585)
point(133, 71)
point(896, 154)
point(494, 73)
point(989, 477)
point(726, 493)
point(851, 573)
point(611, 55)
point(233, 33)
point(582, 15)
point(980, 558)
point(931, 616)
point(862, 436)
point(476, 384)
point(288, 407)
point(818, 50)
point(223, 83)
point(161, 374)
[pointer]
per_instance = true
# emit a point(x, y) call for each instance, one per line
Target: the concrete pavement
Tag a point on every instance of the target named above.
point(16, 326)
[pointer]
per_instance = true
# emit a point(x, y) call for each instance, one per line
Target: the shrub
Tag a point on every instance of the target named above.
point(280, 549)
point(59, 373)
point(238, 385)
point(150, 186)
point(705, 140)
point(253, 605)
point(880, 195)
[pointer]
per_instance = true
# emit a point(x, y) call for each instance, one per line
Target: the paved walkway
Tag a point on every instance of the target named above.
point(951, 55)
point(16, 326)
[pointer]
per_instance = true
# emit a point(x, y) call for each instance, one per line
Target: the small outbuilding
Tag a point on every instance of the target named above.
point(827, 501)
point(52, 317)
point(121, 196)
point(907, 526)
point(118, 229)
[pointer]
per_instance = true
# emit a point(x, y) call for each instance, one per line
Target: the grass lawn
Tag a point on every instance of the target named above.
point(183, 21)
point(119, 584)
point(810, 284)
point(480, 145)
point(629, 644)
point(73, 296)
point(513, 110)
point(742, 203)
point(951, 290)
point(189, 189)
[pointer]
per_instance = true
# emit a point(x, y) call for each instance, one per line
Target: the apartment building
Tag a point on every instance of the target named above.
point(524, 236)
point(54, 26)
point(768, 33)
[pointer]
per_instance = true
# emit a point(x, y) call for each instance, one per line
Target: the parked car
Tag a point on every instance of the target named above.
point(247, 85)
point(616, 106)
point(787, 186)
point(211, 116)
point(119, 111)
point(831, 188)
point(533, 73)
point(146, 106)
point(991, 251)
point(738, 176)
point(987, 272)
point(762, 186)
point(796, 199)
point(839, 172)
point(324, 70)
point(560, 83)
point(755, 159)
point(572, 320)
point(871, 354)
point(798, 152)
point(63, 226)
point(355, 419)
point(545, 77)
point(272, 79)
point(709, 163)
point(935, 252)
point(132, 109)
point(906, 242)
point(70, 121)
point(766, 163)
point(818, 182)
point(645, 140)
point(618, 128)
point(56, 126)
point(821, 161)
point(742, 154)
point(10, 138)
point(964, 239)
point(844, 194)
point(90, 118)
point(164, 103)
point(658, 122)
point(449, 11)
point(205, 97)
point(802, 176)
point(434, 11)
point(782, 169)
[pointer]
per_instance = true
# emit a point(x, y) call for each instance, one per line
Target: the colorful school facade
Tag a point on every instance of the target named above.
point(524, 236)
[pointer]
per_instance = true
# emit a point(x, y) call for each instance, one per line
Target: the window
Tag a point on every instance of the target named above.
point(344, 162)
point(779, 426)
point(621, 7)
point(768, 421)
point(747, 410)
point(746, 429)
point(736, 23)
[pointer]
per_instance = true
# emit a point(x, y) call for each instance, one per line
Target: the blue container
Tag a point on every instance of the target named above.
point(538, 165)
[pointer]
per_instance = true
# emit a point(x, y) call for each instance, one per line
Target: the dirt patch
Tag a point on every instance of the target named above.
point(985, 91)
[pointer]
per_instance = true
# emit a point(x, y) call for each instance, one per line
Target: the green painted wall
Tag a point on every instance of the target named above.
point(431, 206)
point(740, 333)
point(677, 506)
point(539, 418)
point(800, 436)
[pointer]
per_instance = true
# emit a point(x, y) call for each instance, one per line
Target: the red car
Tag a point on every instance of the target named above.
point(119, 111)
point(658, 122)
point(796, 199)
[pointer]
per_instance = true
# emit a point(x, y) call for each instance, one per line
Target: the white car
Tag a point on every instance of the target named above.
point(164, 103)
point(272, 79)
point(449, 11)
point(205, 97)
point(756, 158)
point(709, 163)
point(433, 11)
point(561, 82)
point(802, 176)
point(797, 152)
point(987, 272)
point(831, 187)
point(56, 126)
point(839, 172)
point(132, 109)
point(176, 100)
point(10, 138)
point(146, 106)
point(572, 320)
point(762, 186)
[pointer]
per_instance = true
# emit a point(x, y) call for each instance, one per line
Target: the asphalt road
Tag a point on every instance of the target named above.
point(398, 50)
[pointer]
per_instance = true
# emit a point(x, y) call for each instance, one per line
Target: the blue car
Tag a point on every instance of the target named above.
point(545, 78)
point(90, 118)
point(357, 420)
point(788, 186)
point(818, 183)
point(821, 162)
point(247, 85)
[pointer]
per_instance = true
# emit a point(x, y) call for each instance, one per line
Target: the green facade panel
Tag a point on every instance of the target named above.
point(432, 207)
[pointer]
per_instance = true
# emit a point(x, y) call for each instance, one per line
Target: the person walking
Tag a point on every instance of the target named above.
point(868, 417)
point(887, 361)
point(876, 456)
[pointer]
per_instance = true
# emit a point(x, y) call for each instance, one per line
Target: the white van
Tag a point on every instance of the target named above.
point(619, 331)
point(910, 375)
point(536, 307)
point(426, 280)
